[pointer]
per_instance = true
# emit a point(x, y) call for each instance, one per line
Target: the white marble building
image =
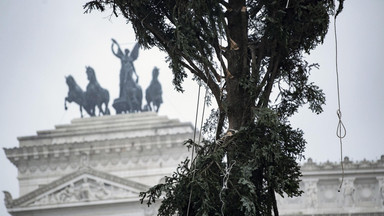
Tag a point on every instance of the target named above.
point(98, 166)
point(361, 192)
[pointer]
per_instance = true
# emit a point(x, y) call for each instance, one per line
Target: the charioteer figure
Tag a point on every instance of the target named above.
point(131, 94)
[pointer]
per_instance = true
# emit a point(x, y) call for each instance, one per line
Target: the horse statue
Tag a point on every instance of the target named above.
point(153, 92)
point(95, 95)
point(75, 94)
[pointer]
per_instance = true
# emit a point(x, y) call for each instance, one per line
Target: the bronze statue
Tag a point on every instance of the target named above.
point(153, 92)
point(75, 94)
point(94, 96)
point(131, 96)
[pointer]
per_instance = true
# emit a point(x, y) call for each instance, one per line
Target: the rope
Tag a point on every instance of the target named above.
point(197, 113)
point(226, 173)
point(341, 131)
point(202, 115)
point(286, 6)
point(193, 149)
point(227, 169)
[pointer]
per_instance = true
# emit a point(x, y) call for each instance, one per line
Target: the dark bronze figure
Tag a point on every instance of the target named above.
point(153, 93)
point(96, 95)
point(131, 95)
point(75, 94)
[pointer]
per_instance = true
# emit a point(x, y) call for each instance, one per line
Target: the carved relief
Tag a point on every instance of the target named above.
point(327, 193)
point(367, 191)
point(381, 189)
point(85, 189)
point(68, 194)
point(348, 192)
point(311, 193)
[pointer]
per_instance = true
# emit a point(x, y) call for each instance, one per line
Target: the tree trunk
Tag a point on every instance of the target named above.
point(238, 101)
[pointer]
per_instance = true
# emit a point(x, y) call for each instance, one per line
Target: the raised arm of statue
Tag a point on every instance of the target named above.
point(119, 52)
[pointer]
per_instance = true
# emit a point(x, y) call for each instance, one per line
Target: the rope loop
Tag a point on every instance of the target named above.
point(341, 131)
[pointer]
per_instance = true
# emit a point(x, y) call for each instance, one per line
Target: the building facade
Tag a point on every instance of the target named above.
point(327, 192)
point(98, 166)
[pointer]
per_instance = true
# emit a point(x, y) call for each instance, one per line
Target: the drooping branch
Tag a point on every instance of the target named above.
point(271, 74)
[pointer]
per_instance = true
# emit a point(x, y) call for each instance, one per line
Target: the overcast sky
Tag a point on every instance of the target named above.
point(43, 41)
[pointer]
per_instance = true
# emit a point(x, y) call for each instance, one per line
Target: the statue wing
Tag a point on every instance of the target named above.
point(135, 52)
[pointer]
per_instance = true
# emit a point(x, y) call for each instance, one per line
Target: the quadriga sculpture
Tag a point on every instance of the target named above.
point(94, 96)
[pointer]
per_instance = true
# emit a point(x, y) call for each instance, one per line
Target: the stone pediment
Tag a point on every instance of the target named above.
point(83, 187)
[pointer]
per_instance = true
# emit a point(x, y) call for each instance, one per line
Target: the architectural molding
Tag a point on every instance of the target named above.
point(110, 143)
point(85, 185)
point(101, 164)
point(348, 165)
point(360, 192)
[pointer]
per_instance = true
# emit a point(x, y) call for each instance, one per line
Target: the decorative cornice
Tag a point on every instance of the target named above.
point(348, 165)
point(119, 151)
point(108, 128)
point(107, 145)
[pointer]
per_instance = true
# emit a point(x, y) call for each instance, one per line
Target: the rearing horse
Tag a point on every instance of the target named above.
point(75, 94)
point(95, 95)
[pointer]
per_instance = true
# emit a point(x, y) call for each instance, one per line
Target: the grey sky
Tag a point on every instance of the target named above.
point(42, 41)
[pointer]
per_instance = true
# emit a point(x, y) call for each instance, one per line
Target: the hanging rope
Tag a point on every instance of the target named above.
point(226, 173)
point(197, 114)
point(193, 148)
point(341, 131)
point(227, 169)
point(202, 115)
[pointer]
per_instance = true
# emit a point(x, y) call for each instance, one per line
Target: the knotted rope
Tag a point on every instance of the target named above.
point(341, 131)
